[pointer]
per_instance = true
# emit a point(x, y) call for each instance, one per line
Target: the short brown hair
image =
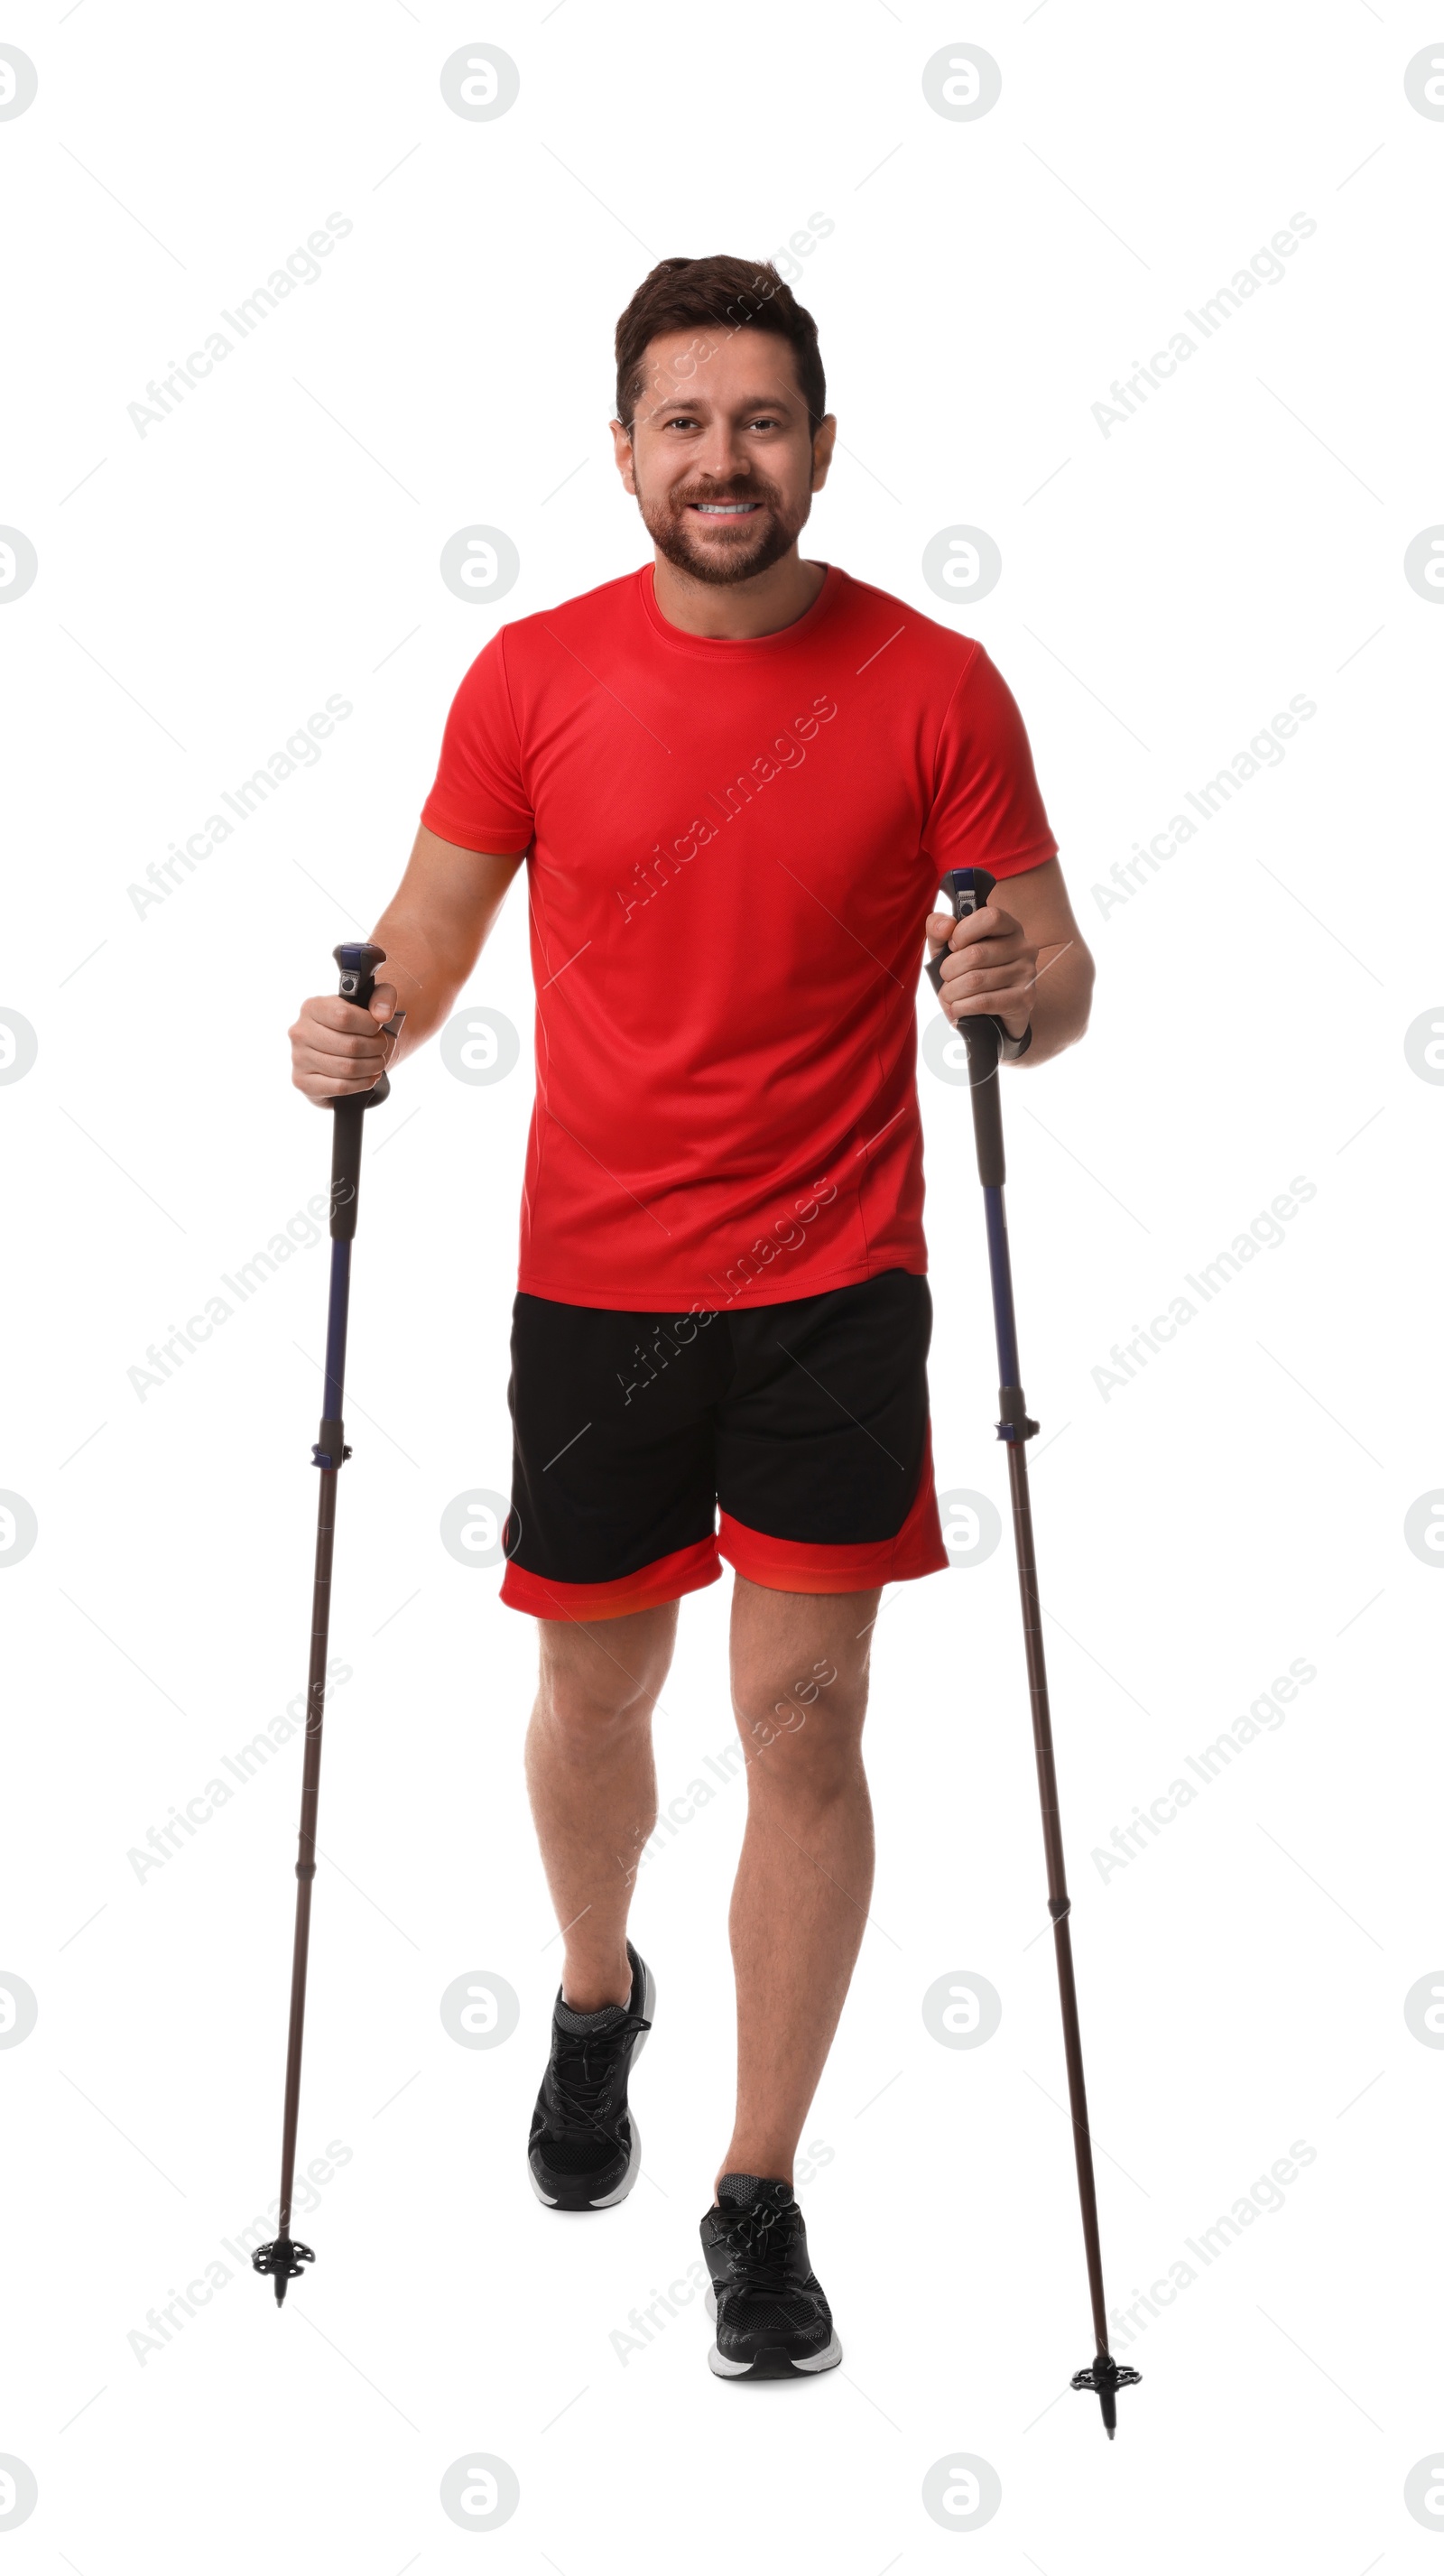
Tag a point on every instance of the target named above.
point(731, 294)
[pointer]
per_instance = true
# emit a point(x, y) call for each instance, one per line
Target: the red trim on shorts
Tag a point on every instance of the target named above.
point(687, 1569)
point(786, 1565)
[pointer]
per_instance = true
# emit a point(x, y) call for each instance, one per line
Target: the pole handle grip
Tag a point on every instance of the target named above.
point(346, 1164)
point(358, 960)
point(968, 889)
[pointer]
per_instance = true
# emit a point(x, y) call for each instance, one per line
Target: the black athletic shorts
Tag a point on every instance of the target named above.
point(804, 1424)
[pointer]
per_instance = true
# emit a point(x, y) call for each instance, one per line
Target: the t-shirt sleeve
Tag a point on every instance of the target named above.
point(986, 810)
point(480, 799)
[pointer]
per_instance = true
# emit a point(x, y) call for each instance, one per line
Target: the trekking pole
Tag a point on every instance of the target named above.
point(968, 890)
point(282, 2259)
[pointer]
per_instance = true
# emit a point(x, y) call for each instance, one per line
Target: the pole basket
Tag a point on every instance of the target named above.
point(1105, 2377)
point(282, 2260)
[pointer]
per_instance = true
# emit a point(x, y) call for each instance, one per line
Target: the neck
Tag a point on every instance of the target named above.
point(733, 612)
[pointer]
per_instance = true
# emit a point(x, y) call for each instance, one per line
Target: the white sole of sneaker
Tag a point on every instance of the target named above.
point(718, 2363)
point(611, 2199)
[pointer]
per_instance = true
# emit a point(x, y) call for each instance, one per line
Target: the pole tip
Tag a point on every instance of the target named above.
point(1104, 2377)
point(281, 2261)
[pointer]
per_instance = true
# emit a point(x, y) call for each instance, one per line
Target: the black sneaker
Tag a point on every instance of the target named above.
point(773, 2321)
point(585, 2150)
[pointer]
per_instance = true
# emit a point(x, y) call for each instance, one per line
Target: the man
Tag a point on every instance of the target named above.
point(736, 778)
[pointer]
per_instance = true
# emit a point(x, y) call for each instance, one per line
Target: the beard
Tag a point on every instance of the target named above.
point(744, 548)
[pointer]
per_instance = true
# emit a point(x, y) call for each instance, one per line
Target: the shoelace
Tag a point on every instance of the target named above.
point(586, 2091)
point(758, 2244)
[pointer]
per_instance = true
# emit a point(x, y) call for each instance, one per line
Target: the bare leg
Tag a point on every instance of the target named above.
point(799, 1904)
point(592, 1784)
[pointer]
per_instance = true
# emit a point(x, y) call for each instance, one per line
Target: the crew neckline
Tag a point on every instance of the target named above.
point(738, 648)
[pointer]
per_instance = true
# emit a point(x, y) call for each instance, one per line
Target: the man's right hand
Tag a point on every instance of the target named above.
point(336, 1047)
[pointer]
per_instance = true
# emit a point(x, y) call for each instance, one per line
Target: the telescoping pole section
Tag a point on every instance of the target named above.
point(282, 2259)
point(969, 890)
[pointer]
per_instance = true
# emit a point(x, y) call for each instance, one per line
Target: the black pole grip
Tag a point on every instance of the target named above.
point(968, 889)
point(358, 961)
point(980, 1037)
point(346, 1115)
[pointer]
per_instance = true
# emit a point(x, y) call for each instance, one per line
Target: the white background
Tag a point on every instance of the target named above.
point(1238, 1505)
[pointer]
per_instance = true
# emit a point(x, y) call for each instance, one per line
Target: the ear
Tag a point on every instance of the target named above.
point(824, 440)
point(624, 456)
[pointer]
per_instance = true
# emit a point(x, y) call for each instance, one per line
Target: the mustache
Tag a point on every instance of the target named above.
point(761, 492)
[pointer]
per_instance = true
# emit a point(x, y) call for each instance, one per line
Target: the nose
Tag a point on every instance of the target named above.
point(721, 457)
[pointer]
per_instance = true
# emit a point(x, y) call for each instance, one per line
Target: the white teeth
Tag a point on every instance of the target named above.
point(724, 509)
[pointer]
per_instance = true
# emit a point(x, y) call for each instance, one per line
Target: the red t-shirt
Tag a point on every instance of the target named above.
point(732, 849)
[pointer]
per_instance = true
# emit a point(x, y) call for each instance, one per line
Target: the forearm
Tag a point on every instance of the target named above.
point(426, 978)
point(1062, 1000)
point(435, 927)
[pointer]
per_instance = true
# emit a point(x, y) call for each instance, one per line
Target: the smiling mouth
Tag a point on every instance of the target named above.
point(724, 509)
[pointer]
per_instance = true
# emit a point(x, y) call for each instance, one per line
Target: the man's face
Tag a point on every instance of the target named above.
point(722, 460)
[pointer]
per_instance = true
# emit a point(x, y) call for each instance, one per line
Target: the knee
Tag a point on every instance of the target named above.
point(806, 1754)
point(593, 1691)
point(582, 1710)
